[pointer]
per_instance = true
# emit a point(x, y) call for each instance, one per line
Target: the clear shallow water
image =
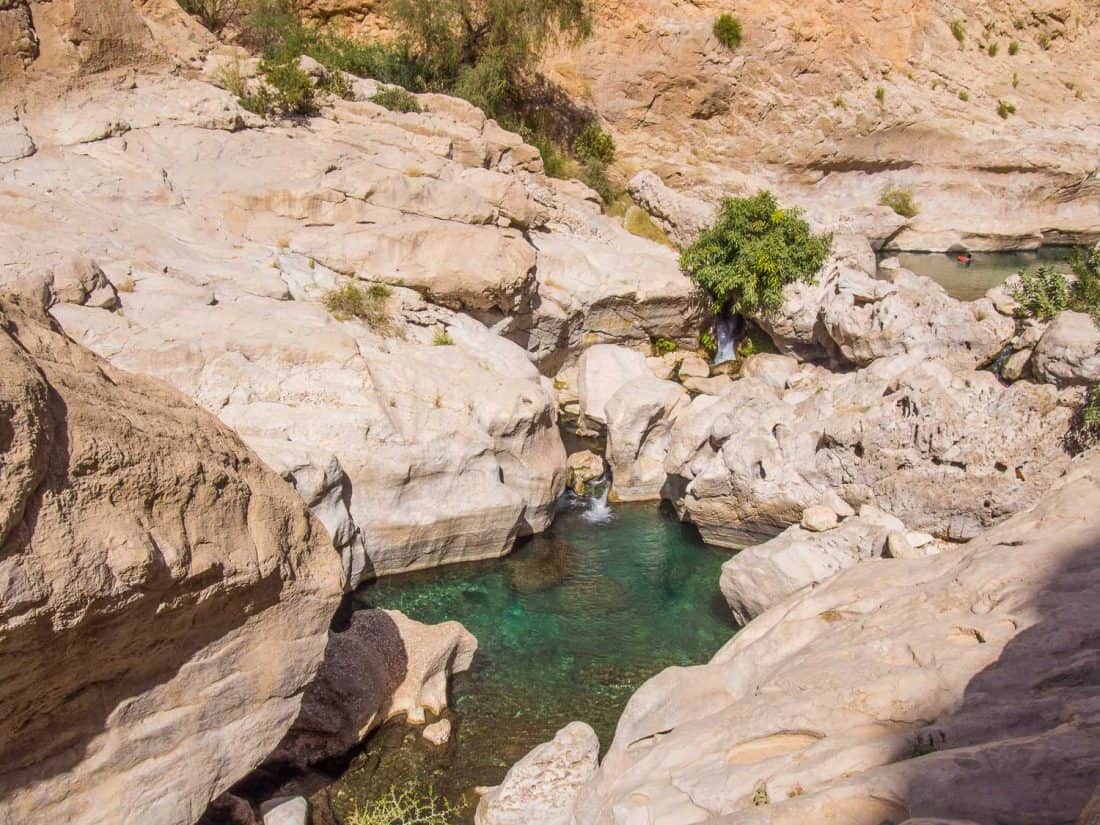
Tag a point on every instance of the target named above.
point(568, 627)
point(989, 269)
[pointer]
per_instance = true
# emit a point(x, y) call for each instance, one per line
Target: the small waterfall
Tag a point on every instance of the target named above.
point(727, 329)
point(598, 510)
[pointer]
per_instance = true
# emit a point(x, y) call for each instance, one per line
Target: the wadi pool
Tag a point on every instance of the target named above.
point(987, 269)
point(569, 626)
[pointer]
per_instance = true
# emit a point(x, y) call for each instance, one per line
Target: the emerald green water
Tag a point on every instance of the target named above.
point(568, 626)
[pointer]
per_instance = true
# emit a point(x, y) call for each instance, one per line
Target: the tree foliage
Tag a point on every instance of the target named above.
point(753, 250)
point(1043, 292)
point(485, 50)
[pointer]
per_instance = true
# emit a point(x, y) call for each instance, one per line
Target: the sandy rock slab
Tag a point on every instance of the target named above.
point(164, 592)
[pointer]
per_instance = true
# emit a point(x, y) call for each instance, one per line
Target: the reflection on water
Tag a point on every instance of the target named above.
point(988, 269)
point(569, 626)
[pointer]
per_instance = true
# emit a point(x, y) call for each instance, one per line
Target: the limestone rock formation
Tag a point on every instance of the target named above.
point(164, 592)
point(908, 434)
point(542, 786)
point(640, 417)
point(795, 107)
point(381, 666)
point(601, 371)
point(1068, 352)
point(951, 688)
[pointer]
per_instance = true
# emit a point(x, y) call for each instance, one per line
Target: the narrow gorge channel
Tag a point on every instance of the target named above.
point(569, 625)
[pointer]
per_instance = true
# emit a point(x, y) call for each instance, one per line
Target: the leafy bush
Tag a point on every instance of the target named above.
point(1042, 293)
point(594, 175)
point(1014, 48)
point(594, 144)
point(353, 301)
point(485, 50)
point(1085, 295)
point(663, 346)
point(213, 14)
point(291, 89)
point(727, 29)
point(396, 99)
point(753, 250)
point(900, 200)
point(958, 31)
point(1004, 109)
point(406, 806)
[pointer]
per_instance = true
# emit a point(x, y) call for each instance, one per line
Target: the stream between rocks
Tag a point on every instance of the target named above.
point(569, 626)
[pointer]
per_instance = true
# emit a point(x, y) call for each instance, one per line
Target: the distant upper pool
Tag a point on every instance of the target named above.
point(988, 269)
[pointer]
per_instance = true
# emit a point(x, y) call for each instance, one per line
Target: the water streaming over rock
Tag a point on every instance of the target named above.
point(727, 328)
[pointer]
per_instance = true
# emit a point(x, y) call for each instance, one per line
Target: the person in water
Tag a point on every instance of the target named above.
point(966, 258)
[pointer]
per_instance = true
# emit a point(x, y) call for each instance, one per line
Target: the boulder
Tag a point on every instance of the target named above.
point(542, 786)
point(438, 733)
point(762, 576)
point(584, 467)
point(381, 666)
point(165, 592)
point(602, 371)
point(818, 519)
point(640, 416)
point(1068, 352)
point(681, 216)
point(900, 691)
point(292, 810)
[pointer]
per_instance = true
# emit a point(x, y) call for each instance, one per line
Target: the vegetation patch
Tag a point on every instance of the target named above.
point(900, 200)
point(1014, 48)
point(1005, 109)
point(880, 95)
point(405, 806)
point(1084, 432)
point(727, 30)
point(396, 99)
point(752, 251)
point(663, 346)
point(442, 338)
point(958, 31)
point(368, 304)
point(215, 15)
point(638, 222)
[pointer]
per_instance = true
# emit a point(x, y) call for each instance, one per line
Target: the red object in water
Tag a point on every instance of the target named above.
point(965, 259)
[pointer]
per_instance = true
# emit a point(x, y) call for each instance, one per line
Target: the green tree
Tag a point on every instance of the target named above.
point(485, 50)
point(753, 250)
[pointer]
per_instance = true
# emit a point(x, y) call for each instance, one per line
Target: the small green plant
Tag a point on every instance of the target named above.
point(442, 338)
point(593, 144)
point(727, 30)
point(1015, 80)
point(993, 49)
point(752, 251)
point(663, 346)
point(405, 806)
point(1044, 42)
point(1014, 48)
point(594, 175)
point(964, 96)
point(958, 31)
point(396, 99)
point(839, 103)
point(354, 301)
point(1005, 109)
point(1085, 295)
point(708, 344)
point(1042, 293)
point(900, 200)
point(880, 95)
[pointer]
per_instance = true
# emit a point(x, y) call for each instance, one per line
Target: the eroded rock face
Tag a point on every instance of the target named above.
point(945, 449)
point(640, 417)
point(381, 666)
point(1068, 351)
point(950, 688)
point(164, 592)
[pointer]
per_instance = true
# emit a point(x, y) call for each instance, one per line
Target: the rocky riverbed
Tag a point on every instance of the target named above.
point(204, 451)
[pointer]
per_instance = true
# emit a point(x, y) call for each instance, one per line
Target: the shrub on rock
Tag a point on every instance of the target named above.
point(727, 29)
point(752, 251)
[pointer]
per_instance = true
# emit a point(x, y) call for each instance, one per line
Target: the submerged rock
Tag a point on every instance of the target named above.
point(542, 786)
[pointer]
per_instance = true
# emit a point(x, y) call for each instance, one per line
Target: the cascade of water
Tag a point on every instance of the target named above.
point(598, 510)
point(726, 330)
